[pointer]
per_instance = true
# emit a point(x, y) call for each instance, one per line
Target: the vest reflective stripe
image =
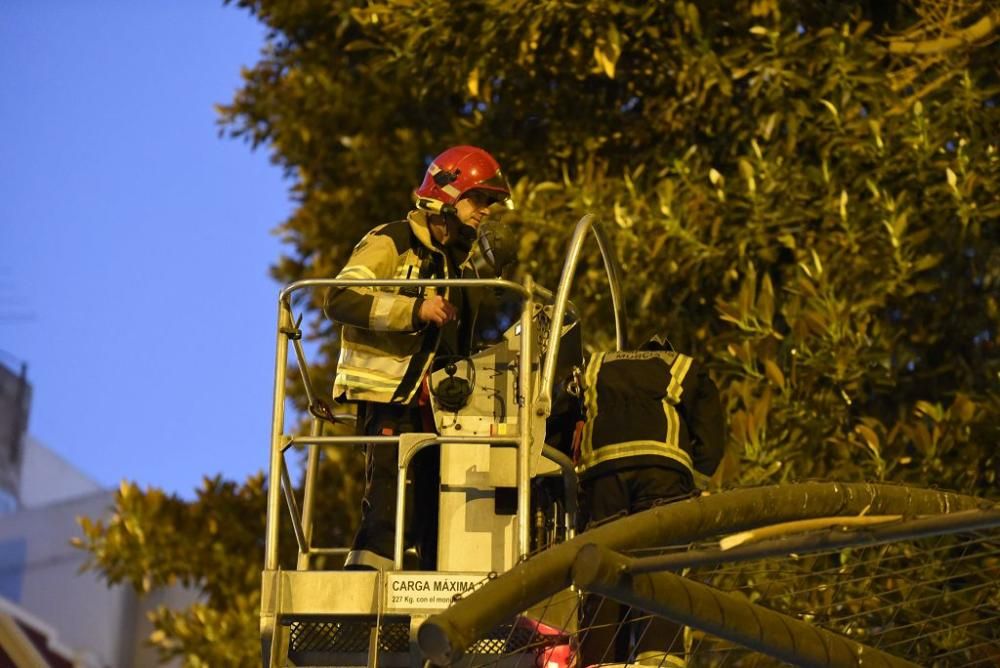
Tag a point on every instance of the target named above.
point(359, 371)
point(678, 371)
point(607, 453)
point(366, 383)
point(356, 271)
point(386, 369)
point(673, 434)
point(370, 374)
point(590, 403)
point(410, 268)
point(381, 315)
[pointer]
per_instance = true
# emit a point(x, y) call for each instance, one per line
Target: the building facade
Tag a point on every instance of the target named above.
point(50, 611)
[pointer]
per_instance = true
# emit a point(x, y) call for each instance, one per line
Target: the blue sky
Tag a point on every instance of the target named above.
point(134, 241)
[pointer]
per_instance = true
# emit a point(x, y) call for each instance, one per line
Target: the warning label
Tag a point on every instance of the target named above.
point(428, 591)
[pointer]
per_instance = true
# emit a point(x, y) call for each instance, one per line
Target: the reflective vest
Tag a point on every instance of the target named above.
point(385, 351)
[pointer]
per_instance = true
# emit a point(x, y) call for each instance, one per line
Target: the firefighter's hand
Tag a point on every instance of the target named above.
point(437, 310)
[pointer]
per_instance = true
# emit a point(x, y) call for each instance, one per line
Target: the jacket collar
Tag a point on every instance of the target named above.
point(421, 229)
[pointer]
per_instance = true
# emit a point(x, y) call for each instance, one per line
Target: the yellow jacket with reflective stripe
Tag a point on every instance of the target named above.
point(385, 352)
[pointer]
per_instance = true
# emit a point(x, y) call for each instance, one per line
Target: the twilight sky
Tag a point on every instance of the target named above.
point(134, 241)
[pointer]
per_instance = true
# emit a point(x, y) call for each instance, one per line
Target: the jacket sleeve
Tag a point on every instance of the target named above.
point(706, 423)
point(372, 308)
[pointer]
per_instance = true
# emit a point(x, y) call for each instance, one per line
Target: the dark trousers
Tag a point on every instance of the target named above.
point(611, 632)
point(378, 507)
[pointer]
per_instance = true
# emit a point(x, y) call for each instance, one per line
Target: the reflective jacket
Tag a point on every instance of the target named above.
point(385, 350)
point(650, 409)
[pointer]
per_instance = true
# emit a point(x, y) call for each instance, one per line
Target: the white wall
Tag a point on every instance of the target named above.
point(82, 609)
point(48, 478)
point(39, 571)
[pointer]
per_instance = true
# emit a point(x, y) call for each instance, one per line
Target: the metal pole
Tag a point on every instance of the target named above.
point(397, 547)
point(293, 508)
point(525, 417)
point(570, 481)
point(287, 292)
point(407, 451)
point(361, 440)
point(276, 630)
point(337, 440)
point(543, 404)
point(277, 427)
point(309, 496)
point(300, 358)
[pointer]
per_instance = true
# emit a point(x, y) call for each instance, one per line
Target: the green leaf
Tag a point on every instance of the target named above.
point(774, 373)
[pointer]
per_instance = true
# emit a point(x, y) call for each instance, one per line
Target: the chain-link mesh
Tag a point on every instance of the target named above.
point(933, 601)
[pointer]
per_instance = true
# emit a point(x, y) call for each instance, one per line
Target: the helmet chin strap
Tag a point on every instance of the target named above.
point(461, 237)
point(466, 235)
point(465, 238)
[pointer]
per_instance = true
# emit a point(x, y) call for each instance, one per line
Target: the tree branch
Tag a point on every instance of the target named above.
point(974, 33)
point(907, 102)
point(902, 78)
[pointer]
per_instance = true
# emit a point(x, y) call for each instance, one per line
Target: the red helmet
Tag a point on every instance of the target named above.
point(457, 171)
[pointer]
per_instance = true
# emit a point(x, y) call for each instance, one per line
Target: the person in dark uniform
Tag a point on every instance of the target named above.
point(653, 432)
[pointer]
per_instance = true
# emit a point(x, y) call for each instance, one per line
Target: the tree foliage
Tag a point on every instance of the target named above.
point(214, 545)
point(157, 540)
point(800, 194)
point(806, 195)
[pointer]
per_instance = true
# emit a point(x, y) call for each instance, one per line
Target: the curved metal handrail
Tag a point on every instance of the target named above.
point(543, 402)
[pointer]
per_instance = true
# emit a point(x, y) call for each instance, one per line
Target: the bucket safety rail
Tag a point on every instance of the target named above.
point(288, 334)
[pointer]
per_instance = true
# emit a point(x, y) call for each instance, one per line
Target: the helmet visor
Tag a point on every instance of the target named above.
point(496, 182)
point(497, 187)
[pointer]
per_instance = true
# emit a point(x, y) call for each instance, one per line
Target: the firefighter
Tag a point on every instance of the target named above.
point(652, 434)
point(393, 338)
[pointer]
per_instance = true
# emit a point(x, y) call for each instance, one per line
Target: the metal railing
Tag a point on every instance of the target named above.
point(534, 400)
point(288, 333)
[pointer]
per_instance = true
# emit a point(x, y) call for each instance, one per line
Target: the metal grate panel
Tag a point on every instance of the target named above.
point(505, 639)
point(347, 636)
point(394, 637)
